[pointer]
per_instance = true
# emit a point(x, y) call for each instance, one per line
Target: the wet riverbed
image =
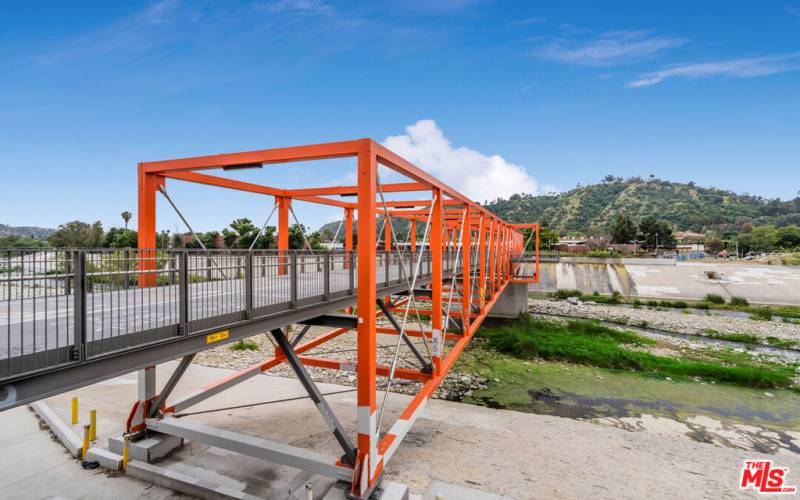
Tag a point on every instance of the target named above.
point(767, 420)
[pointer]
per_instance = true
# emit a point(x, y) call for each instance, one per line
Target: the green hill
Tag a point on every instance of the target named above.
point(689, 207)
point(37, 233)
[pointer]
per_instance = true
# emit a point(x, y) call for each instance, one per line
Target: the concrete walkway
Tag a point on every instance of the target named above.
point(34, 465)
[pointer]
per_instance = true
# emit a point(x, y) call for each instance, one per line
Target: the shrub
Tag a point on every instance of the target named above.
point(702, 305)
point(652, 303)
point(762, 314)
point(563, 294)
point(779, 342)
point(714, 298)
point(678, 304)
point(244, 346)
point(739, 301)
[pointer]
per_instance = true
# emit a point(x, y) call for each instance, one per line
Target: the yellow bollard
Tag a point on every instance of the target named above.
point(125, 440)
point(74, 410)
point(85, 442)
point(93, 425)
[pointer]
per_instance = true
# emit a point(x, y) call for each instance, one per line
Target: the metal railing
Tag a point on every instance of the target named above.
point(61, 306)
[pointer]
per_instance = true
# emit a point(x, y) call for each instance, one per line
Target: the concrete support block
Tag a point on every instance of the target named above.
point(512, 303)
point(388, 490)
point(394, 491)
point(63, 431)
point(106, 459)
point(149, 449)
point(183, 483)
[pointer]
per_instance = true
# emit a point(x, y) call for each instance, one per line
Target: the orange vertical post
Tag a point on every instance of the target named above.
point(536, 276)
point(482, 264)
point(436, 278)
point(348, 229)
point(496, 273)
point(466, 275)
point(387, 248)
point(348, 235)
point(413, 236)
point(146, 220)
point(367, 340)
point(283, 232)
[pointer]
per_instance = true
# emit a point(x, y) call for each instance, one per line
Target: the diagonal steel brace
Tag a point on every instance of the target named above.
point(427, 367)
point(316, 396)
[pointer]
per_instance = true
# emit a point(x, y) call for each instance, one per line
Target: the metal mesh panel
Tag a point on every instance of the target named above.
point(36, 313)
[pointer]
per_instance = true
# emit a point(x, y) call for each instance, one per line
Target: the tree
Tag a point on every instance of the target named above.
point(126, 216)
point(789, 237)
point(655, 233)
point(21, 242)
point(548, 237)
point(714, 245)
point(296, 237)
point(77, 234)
point(162, 239)
point(120, 238)
point(623, 229)
point(244, 232)
point(765, 238)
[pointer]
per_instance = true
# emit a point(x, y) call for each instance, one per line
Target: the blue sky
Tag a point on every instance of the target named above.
point(542, 94)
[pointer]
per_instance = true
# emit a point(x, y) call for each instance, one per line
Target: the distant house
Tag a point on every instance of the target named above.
point(689, 242)
point(623, 247)
point(690, 247)
point(689, 237)
point(572, 246)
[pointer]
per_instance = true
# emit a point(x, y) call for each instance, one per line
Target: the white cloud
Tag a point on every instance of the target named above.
point(608, 49)
point(472, 173)
point(735, 68)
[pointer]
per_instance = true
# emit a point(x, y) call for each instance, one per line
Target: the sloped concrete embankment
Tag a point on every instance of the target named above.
point(666, 279)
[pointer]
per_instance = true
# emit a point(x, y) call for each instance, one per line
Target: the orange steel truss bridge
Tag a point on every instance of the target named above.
point(71, 318)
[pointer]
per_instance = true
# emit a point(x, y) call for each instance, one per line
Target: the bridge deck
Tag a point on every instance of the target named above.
point(120, 327)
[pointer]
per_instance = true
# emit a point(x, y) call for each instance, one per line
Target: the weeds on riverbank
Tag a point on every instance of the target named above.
point(711, 301)
point(591, 343)
point(744, 338)
point(244, 345)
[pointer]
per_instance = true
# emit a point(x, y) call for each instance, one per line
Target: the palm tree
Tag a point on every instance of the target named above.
point(126, 216)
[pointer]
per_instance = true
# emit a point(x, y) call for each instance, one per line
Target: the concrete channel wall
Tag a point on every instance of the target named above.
point(668, 279)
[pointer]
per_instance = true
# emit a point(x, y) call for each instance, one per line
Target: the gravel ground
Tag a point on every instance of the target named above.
point(694, 324)
point(342, 348)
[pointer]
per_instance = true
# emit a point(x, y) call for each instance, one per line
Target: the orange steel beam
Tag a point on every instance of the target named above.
point(353, 190)
point(380, 370)
point(264, 156)
point(211, 180)
point(415, 203)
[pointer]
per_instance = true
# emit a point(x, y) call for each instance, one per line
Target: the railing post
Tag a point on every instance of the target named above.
point(68, 265)
point(79, 307)
point(293, 279)
point(326, 276)
point(126, 255)
point(183, 292)
point(248, 285)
